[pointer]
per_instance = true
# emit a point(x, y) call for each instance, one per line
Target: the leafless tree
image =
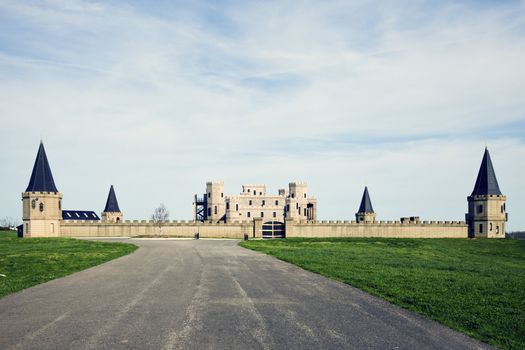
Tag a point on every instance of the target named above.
point(160, 216)
point(8, 222)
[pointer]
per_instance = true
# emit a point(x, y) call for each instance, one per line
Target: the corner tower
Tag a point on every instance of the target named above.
point(41, 201)
point(366, 213)
point(112, 211)
point(486, 215)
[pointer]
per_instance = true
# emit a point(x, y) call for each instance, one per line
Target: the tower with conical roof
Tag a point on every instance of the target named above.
point(366, 213)
point(486, 215)
point(112, 211)
point(41, 201)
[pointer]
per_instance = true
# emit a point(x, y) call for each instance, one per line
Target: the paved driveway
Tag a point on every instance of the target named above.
point(209, 294)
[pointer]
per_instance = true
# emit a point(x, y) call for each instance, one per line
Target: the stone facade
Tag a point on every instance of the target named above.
point(255, 214)
point(253, 202)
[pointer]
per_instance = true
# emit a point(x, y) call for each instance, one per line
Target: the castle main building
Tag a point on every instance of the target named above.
point(253, 202)
point(253, 213)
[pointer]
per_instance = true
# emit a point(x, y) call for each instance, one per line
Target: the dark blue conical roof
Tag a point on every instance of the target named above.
point(41, 177)
point(486, 183)
point(111, 203)
point(366, 203)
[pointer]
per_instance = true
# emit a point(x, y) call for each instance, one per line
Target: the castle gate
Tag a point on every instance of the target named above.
point(273, 229)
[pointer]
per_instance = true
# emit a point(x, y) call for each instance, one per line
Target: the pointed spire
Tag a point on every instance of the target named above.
point(366, 204)
point(111, 203)
point(41, 177)
point(486, 183)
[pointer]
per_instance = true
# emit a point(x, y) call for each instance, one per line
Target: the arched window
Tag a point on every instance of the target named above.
point(490, 226)
point(41, 206)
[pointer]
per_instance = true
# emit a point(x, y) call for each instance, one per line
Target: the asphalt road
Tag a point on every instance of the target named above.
point(209, 294)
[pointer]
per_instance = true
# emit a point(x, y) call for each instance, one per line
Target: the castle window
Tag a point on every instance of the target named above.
point(41, 206)
point(293, 195)
point(274, 214)
point(480, 228)
point(304, 211)
point(248, 214)
point(209, 194)
point(263, 202)
point(118, 219)
point(490, 226)
point(227, 205)
point(497, 229)
point(260, 193)
point(276, 202)
point(222, 194)
point(250, 202)
point(296, 205)
point(502, 209)
point(52, 228)
point(209, 211)
point(262, 214)
point(480, 209)
point(305, 195)
point(248, 190)
point(59, 204)
point(236, 207)
point(215, 210)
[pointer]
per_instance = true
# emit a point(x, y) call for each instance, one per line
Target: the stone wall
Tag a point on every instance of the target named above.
point(421, 229)
point(71, 228)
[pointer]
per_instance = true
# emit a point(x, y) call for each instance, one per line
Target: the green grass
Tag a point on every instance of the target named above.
point(474, 286)
point(30, 261)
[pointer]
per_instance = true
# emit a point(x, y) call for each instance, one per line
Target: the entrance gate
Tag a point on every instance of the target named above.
point(273, 229)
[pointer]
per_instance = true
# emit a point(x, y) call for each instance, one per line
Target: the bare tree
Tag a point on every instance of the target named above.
point(8, 223)
point(160, 216)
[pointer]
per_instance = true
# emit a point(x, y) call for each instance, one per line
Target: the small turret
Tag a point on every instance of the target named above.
point(42, 203)
point(366, 213)
point(112, 211)
point(486, 215)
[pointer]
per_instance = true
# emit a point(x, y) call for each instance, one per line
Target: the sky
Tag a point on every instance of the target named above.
point(159, 97)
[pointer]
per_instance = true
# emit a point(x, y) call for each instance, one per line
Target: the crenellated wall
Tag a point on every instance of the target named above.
point(420, 229)
point(71, 228)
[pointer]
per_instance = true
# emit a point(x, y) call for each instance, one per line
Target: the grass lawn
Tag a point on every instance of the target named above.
point(476, 287)
point(27, 262)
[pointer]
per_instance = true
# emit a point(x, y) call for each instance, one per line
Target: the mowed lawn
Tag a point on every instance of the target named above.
point(30, 261)
point(474, 286)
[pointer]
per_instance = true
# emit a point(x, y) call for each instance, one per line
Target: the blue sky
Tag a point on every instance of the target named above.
point(159, 97)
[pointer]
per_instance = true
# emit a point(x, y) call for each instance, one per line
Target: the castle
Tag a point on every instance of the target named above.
point(253, 213)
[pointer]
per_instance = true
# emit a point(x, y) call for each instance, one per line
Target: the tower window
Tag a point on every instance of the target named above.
point(480, 228)
point(296, 205)
point(260, 193)
point(248, 214)
point(304, 211)
point(209, 211)
point(227, 205)
point(262, 214)
point(263, 202)
point(502, 209)
point(274, 214)
point(305, 195)
point(490, 226)
point(41, 206)
point(248, 190)
point(293, 195)
point(276, 202)
point(222, 194)
point(209, 194)
point(497, 229)
point(480, 209)
point(236, 207)
point(215, 210)
point(250, 202)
